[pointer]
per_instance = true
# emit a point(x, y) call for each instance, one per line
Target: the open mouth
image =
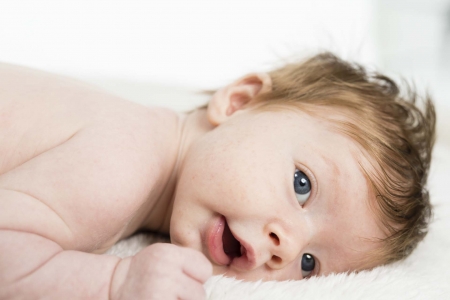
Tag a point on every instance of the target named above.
point(223, 247)
point(231, 245)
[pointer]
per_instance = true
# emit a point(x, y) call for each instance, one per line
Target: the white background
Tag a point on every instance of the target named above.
point(206, 44)
point(183, 42)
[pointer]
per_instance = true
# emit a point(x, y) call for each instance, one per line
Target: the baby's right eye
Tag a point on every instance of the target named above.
point(302, 186)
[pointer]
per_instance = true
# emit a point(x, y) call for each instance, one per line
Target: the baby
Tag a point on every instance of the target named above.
point(315, 168)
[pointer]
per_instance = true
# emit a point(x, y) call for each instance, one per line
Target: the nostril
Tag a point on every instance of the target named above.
point(275, 238)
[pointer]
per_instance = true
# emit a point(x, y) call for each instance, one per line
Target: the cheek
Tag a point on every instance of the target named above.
point(212, 165)
point(234, 175)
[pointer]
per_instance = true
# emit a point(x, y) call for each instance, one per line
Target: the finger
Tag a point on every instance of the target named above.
point(196, 265)
point(190, 289)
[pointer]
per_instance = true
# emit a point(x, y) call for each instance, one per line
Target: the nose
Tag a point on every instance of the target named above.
point(283, 247)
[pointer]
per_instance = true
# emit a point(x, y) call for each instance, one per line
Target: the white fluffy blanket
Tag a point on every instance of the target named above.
point(424, 275)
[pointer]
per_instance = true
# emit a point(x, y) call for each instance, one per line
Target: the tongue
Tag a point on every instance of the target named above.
point(231, 246)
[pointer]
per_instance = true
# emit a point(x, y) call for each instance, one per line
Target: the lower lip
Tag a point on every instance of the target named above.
point(214, 242)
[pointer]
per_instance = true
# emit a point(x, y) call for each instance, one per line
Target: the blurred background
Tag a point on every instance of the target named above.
point(136, 46)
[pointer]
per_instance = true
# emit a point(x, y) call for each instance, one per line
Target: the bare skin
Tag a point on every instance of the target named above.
point(81, 169)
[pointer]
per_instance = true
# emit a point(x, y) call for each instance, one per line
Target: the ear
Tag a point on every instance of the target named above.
point(237, 95)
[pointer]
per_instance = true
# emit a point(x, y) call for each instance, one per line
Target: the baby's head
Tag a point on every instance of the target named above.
point(394, 134)
point(313, 168)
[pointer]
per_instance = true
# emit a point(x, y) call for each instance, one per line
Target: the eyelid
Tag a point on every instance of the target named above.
point(316, 270)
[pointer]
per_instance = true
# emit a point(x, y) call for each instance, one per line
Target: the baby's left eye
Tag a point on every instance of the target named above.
point(308, 265)
point(302, 186)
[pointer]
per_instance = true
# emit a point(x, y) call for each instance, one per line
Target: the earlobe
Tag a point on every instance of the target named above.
point(238, 95)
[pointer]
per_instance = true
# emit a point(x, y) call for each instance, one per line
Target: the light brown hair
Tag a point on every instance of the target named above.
point(389, 126)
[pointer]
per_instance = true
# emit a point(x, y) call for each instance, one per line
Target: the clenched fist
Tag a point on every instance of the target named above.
point(161, 271)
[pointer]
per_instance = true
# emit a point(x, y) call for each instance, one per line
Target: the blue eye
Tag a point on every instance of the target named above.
point(308, 264)
point(302, 186)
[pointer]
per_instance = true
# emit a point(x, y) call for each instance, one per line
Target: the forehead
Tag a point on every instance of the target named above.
point(289, 121)
point(306, 138)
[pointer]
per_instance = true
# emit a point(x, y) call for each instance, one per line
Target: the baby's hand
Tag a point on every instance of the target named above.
point(161, 271)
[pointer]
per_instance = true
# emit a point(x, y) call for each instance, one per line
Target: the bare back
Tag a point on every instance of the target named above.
point(78, 166)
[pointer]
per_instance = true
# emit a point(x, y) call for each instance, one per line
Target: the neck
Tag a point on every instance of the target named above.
point(192, 126)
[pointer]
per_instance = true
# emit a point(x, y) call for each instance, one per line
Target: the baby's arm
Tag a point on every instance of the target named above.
point(33, 267)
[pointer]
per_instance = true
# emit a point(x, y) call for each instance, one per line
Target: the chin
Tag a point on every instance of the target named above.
point(220, 270)
point(182, 236)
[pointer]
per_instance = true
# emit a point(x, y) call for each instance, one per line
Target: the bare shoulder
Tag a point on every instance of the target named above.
point(77, 164)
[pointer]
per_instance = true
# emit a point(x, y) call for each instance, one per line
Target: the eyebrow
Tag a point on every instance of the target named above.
point(330, 163)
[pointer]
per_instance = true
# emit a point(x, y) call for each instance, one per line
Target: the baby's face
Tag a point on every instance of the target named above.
point(275, 195)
